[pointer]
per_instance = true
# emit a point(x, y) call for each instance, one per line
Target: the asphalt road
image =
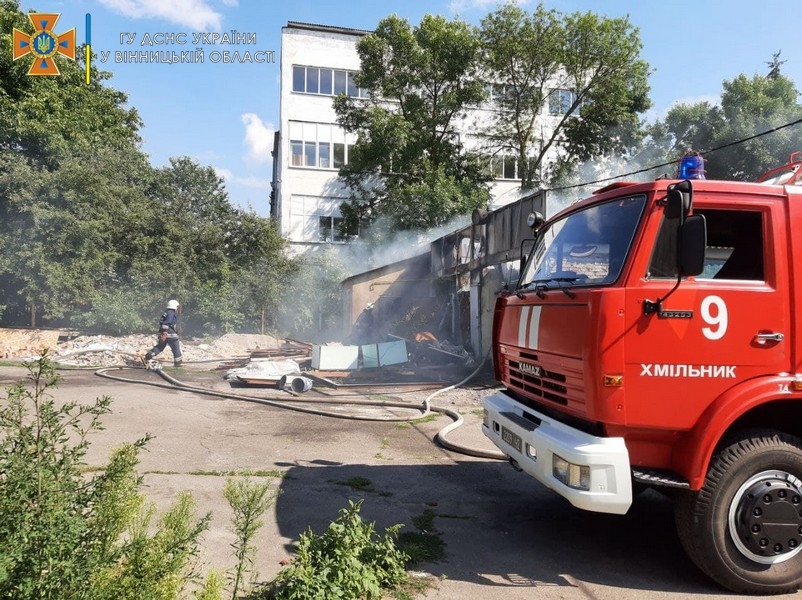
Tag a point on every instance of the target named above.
point(505, 535)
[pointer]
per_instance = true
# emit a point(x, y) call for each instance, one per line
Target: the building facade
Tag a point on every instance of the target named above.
point(319, 62)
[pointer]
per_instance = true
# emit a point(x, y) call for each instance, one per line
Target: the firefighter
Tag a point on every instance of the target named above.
point(168, 335)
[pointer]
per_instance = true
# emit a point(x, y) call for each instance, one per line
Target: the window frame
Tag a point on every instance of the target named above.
point(326, 81)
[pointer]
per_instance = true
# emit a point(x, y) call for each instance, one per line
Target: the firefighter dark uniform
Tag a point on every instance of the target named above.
point(168, 335)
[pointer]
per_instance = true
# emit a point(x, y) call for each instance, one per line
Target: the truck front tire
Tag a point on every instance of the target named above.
point(744, 527)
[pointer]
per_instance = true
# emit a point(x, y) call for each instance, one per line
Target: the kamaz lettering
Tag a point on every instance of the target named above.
point(530, 369)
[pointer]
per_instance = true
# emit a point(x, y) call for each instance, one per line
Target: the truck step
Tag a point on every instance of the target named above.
point(659, 478)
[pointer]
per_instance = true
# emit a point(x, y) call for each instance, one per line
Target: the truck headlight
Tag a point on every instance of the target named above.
point(574, 476)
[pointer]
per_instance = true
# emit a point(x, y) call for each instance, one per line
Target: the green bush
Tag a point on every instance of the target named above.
point(248, 500)
point(350, 560)
point(65, 534)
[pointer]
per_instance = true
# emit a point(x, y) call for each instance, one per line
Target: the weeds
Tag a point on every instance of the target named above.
point(349, 560)
point(425, 544)
point(249, 501)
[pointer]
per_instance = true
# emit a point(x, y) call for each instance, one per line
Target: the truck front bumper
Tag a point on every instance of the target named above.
point(532, 440)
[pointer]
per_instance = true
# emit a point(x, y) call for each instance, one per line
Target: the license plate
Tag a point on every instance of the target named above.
point(513, 439)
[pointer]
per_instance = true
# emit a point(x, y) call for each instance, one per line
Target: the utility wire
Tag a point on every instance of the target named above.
point(674, 162)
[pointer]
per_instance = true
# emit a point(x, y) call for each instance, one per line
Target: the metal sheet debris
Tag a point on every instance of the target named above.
point(335, 358)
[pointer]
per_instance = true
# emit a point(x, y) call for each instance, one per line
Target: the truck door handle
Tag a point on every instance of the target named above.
point(769, 337)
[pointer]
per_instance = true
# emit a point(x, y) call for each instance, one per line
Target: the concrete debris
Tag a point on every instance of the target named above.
point(110, 351)
point(251, 360)
point(264, 372)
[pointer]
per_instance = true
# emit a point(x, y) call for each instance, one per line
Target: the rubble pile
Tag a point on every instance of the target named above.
point(110, 351)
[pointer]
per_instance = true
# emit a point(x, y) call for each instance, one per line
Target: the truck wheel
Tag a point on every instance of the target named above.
point(744, 527)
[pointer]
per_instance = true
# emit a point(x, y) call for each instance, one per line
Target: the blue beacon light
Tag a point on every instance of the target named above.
point(691, 166)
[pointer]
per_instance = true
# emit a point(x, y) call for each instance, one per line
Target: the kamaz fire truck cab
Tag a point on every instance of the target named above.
point(653, 339)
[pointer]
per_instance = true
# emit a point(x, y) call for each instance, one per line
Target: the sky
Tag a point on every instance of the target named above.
point(224, 115)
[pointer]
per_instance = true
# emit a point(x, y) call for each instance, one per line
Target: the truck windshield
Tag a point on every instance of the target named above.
point(587, 247)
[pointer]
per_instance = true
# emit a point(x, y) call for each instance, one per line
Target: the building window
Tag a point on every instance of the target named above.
point(504, 167)
point(310, 154)
point(297, 151)
point(498, 93)
point(317, 145)
point(298, 79)
point(339, 155)
point(353, 90)
point(560, 102)
point(329, 229)
point(326, 82)
point(312, 76)
point(340, 79)
point(324, 154)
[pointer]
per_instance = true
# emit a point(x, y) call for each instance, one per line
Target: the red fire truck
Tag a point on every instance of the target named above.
point(654, 339)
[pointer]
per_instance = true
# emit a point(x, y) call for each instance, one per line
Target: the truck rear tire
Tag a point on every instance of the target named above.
point(744, 527)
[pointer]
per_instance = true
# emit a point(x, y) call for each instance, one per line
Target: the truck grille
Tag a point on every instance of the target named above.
point(530, 377)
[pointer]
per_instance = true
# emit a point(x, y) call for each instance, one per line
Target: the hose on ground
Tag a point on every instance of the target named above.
point(458, 421)
point(173, 383)
point(425, 409)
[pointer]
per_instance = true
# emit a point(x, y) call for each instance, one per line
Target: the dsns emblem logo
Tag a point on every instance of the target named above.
point(530, 369)
point(43, 44)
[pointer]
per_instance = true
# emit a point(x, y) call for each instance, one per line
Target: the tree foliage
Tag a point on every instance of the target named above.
point(593, 61)
point(93, 236)
point(311, 304)
point(744, 132)
point(48, 118)
point(422, 81)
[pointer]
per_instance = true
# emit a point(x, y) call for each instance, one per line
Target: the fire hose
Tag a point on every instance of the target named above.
point(425, 408)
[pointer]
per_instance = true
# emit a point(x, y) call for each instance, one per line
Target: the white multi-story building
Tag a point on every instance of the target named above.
point(319, 62)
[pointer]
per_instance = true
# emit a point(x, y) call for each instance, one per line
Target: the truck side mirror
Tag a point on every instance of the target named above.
point(525, 253)
point(679, 200)
point(692, 245)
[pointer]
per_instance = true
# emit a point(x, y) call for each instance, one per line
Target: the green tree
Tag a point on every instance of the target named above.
point(225, 264)
point(310, 307)
point(749, 107)
point(48, 118)
point(65, 149)
point(581, 67)
point(91, 235)
point(71, 231)
point(187, 258)
point(421, 80)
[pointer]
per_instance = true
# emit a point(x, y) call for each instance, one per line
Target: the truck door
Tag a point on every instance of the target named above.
point(729, 324)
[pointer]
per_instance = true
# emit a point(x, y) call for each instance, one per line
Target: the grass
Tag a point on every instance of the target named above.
point(360, 484)
point(424, 544)
point(425, 522)
point(426, 419)
point(421, 547)
point(416, 585)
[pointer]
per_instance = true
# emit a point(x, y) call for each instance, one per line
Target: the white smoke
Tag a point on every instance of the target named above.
point(390, 246)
